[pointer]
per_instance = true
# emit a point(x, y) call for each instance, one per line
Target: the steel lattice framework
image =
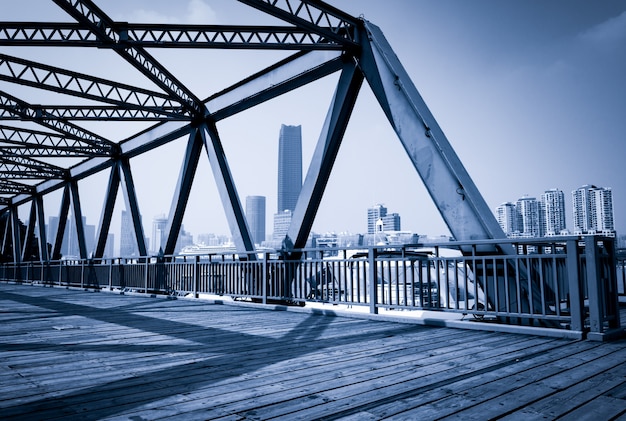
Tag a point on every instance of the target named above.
point(323, 41)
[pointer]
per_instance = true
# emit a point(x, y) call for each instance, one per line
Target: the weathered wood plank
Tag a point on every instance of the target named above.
point(69, 353)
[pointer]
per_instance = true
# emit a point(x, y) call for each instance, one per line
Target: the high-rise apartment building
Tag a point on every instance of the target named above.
point(289, 167)
point(159, 234)
point(255, 214)
point(553, 209)
point(529, 218)
point(128, 243)
point(507, 218)
point(593, 210)
point(374, 214)
point(602, 209)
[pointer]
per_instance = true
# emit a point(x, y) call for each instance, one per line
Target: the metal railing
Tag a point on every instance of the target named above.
point(563, 282)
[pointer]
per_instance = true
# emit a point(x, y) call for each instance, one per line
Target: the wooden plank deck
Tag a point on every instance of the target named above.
point(68, 354)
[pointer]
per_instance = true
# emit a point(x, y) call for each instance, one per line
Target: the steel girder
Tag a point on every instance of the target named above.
point(460, 203)
point(327, 40)
point(324, 157)
point(168, 36)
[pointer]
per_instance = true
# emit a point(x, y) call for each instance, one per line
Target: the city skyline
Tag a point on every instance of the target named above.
point(524, 97)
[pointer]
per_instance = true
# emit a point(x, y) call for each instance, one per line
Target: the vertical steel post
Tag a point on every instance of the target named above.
point(575, 287)
point(593, 286)
point(371, 258)
point(264, 287)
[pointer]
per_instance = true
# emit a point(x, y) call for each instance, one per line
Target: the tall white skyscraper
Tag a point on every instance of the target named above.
point(507, 218)
point(529, 220)
point(593, 210)
point(553, 207)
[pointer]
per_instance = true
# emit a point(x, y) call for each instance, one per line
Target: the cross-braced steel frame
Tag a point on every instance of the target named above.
point(324, 39)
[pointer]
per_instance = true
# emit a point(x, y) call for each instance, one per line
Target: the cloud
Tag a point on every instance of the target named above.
point(200, 13)
point(609, 33)
point(197, 12)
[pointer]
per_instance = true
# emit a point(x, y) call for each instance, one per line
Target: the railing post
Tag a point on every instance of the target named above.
point(575, 287)
point(371, 258)
point(264, 287)
point(82, 274)
point(196, 276)
point(593, 286)
point(110, 274)
point(145, 276)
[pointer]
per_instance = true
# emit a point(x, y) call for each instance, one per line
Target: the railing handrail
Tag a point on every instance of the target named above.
point(563, 281)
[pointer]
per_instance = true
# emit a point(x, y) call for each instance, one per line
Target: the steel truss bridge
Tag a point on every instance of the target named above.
point(36, 139)
point(324, 39)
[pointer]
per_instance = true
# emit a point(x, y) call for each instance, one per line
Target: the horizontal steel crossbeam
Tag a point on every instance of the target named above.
point(166, 36)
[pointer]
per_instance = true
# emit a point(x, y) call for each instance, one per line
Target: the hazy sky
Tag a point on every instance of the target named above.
point(531, 95)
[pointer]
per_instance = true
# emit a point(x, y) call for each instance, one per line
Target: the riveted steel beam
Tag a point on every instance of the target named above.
point(93, 18)
point(183, 189)
point(456, 196)
point(314, 16)
point(41, 76)
point(17, 34)
point(324, 156)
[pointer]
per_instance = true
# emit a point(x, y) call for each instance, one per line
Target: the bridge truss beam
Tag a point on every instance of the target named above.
point(326, 41)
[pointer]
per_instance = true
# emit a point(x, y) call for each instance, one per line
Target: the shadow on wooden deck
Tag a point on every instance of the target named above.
point(75, 354)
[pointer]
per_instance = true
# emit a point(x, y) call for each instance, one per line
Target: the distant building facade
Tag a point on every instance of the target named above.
point(391, 222)
point(128, 243)
point(593, 210)
point(529, 220)
point(289, 167)
point(374, 214)
point(507, 217)
point(289, 178)
point(255, 214)
point(553, 208)
point(282, 221)
point(159, 234)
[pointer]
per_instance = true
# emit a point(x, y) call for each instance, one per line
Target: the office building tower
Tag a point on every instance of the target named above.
point(529, 220)
point(282, 220)
point(255, 214)
point(128, 243)
point(374, 214)
point(109, 249)
point(553, 207)
point(289, 167)
point(507, 218)
point(159, 234)
point(391, 222)
point(593, 210)
point(53, 226)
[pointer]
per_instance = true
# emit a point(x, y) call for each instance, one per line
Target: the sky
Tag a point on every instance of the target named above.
point(530, 94)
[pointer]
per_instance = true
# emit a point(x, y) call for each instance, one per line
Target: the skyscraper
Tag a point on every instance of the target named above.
point(128, 244)
point(593, 209)
point(375, 213)
point(255, 213)
point(553, 207)
point(289, 167)
point(507, 218)
point(159, 236)
point(529, 217)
